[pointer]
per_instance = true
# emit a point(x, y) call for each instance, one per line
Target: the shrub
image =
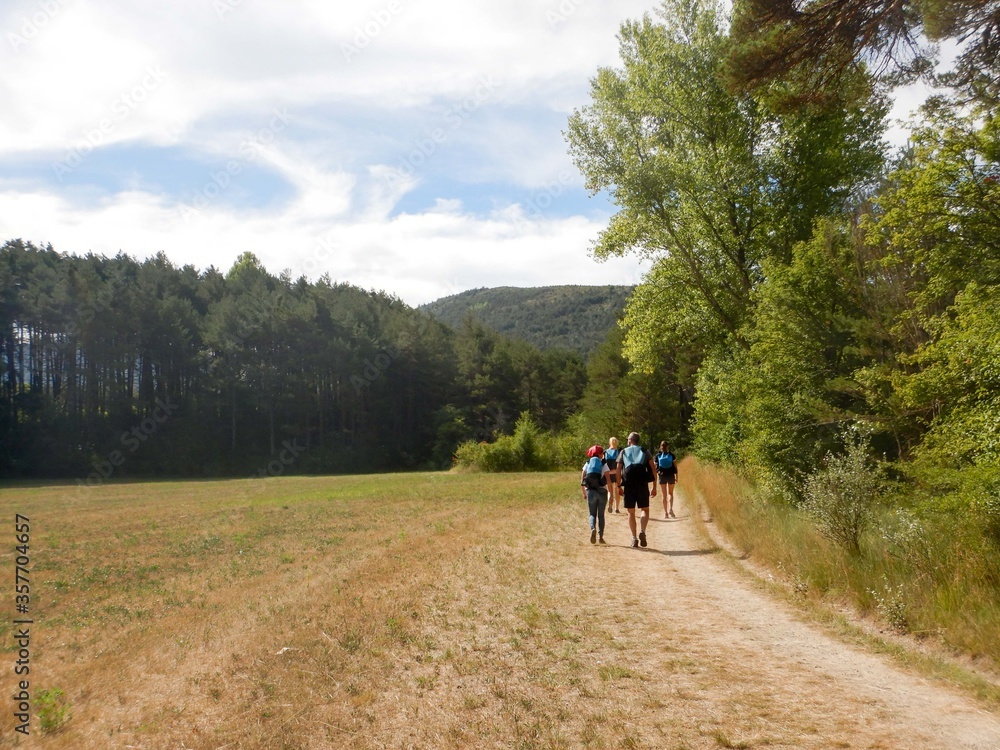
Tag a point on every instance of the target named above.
point(528, 449)
point(841, 496)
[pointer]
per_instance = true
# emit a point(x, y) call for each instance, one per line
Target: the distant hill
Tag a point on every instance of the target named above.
point(573, 317)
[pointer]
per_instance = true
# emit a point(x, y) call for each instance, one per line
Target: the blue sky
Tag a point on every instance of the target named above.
point(413, 146)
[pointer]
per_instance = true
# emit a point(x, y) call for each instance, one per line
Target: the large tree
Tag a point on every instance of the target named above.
point(709, 184)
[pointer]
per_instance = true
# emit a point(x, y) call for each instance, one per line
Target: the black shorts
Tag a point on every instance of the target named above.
point(636, 495)
point(612, 479)
point(669, 477)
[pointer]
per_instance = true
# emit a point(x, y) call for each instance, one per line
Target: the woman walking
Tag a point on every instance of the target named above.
point(614, 476)
point(666, 470)
point(593, 484)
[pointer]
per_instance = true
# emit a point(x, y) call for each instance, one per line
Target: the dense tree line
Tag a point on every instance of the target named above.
point(115, 367)
point(806, 279)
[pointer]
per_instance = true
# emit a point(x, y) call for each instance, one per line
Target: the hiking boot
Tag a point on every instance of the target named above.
point(642, 539)
point(635, 542)
point(593, 536)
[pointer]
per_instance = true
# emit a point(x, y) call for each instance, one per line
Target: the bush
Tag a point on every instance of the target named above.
point(842, 495)
point(528, 449)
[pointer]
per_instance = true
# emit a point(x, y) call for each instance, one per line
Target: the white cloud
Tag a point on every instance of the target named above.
point(65, 79)
point(418, 256)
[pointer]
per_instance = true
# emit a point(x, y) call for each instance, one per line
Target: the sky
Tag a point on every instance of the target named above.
point(410, 146)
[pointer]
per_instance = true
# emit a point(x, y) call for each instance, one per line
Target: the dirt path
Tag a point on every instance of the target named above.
point(728, 655)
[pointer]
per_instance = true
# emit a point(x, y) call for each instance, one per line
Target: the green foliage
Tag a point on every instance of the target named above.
point(959, 382)
point(571, 443)
point(527, 449)
point(720, 191)
point(719, 420)
point(709, 184)
point(841, 496)
point(53, 710)
point(619, 399)
point(500, 377)
point(811, 47)
point(774, 408)
point(939, 211)
point(970, 494)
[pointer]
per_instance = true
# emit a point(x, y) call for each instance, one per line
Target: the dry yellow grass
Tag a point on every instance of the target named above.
point(424, 611)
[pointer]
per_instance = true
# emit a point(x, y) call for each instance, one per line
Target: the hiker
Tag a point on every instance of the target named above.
point(666, 472)
point(614, 476)
point(637, 470)
point(593, 484)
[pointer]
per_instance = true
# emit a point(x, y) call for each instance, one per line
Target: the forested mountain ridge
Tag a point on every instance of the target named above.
point(569, 316)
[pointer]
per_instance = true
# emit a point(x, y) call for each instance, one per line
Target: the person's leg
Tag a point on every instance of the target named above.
point(644, 512)
point(666, 507)
point(593, 500)
point(630, 503)
point(601, 505)
point(670, 490)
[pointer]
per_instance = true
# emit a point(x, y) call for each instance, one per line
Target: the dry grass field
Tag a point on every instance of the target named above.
point(423, 611)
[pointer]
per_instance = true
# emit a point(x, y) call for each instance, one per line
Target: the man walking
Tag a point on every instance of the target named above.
point(637, 470)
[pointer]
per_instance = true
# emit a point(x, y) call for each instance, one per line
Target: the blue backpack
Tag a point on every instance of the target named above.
point(665, 461)
point(636, 463)
point(594, 476)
